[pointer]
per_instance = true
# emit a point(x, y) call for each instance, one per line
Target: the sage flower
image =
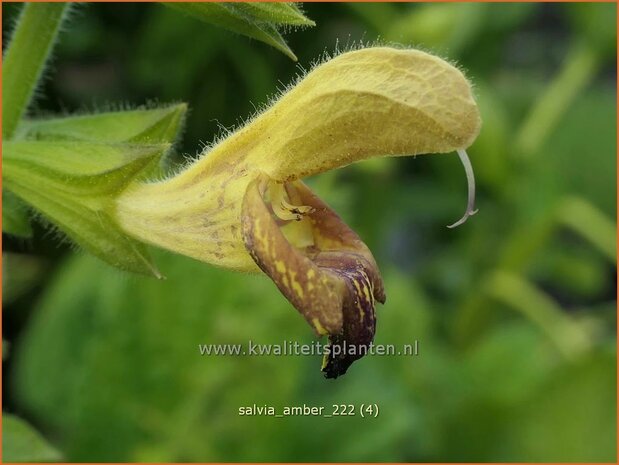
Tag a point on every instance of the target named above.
point(242, 204)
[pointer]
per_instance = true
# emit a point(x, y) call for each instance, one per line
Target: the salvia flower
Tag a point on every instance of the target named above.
point(243, 205)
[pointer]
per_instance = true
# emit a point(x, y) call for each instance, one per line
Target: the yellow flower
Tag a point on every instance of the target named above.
point(242, 204)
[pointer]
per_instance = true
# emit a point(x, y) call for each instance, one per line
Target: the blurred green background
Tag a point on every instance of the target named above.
point(515, 311)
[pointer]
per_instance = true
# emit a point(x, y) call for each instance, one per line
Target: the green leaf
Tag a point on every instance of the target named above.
point(73, 185)
point(90, 317)
point(257, 22)
point(21, 443)
point(152, 126)
point(278, 13)
point(31, 44)
point(15, 217)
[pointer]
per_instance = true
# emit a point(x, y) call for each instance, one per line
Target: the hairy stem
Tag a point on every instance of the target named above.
point(24, 61)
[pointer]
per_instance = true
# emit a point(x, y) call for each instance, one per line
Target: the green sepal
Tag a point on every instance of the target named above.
point(251, 20)
point(152, 126)
point(282, 13)
point(83, 168)
point(73, 185)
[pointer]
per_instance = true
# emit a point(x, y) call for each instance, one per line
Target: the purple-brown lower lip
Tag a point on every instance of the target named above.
point(359, 319)
point(333, 282)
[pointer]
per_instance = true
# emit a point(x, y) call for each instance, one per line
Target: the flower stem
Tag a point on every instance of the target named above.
point(31, 44)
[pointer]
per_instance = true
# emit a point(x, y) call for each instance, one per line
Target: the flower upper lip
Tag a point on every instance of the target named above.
point(365, 103)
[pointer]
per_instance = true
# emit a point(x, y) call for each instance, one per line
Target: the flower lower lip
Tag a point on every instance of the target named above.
point(333, 280)
point(359, 322)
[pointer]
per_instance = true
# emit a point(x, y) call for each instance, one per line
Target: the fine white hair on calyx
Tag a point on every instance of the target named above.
point(470, 179)
point(100, 109)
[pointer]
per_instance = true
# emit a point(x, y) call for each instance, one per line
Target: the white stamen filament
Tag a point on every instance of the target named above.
point(470, 179)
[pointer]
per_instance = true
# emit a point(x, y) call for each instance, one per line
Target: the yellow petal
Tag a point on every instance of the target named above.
point(365, 103)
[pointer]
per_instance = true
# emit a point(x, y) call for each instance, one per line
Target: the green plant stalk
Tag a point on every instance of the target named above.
point(580, 67)
point(572, 212)
point(592, 224)
point(31, 44)
point(524, 243)
point(568, 336)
